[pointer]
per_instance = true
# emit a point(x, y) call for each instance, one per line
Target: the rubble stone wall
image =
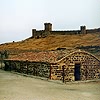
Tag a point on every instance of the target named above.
point(32, 68)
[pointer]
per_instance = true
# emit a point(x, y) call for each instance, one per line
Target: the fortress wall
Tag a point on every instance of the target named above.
point(40, 33)
point(65, 32)
point(93, 30)
point(37, 34)
point(48, 30)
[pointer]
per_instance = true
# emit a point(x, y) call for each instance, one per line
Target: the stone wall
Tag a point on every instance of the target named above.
point(56, 72)
point(93, 30)
point(3, 55)
point(78, 65)
point(48, 30)
point(41, 69)
point(39, 34)
point(65, 32)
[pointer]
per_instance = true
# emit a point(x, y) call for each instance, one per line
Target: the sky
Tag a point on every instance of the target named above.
point(19, 17)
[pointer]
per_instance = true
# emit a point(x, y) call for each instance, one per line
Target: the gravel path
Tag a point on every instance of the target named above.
point(17, 87)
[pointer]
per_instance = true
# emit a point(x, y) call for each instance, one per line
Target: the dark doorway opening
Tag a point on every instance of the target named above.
point(77, 71)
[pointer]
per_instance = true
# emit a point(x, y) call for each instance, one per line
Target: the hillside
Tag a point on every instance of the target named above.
point(54, 41)
point(88, 42)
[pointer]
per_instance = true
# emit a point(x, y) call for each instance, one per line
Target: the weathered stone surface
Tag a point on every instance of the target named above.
point(48, 30)
point(78, 65)
point(89, 67)
point(33, 68)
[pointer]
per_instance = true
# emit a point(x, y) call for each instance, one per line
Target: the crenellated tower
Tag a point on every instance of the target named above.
point(47, 27)
point(83, 29)
point(33, 32)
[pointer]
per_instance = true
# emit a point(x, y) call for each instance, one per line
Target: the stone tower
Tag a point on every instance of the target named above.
point(33, 32)
point(47, 27)
point(83, 29)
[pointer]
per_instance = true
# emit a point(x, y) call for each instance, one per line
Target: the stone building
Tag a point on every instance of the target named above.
point(63, 65)
point(78, 65)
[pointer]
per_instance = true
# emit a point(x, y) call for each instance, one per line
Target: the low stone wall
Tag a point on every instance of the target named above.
point(41, 69)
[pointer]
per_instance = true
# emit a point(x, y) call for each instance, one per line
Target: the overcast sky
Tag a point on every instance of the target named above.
point(18, 17)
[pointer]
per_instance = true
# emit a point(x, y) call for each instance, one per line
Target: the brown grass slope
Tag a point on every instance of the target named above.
point(54, 41)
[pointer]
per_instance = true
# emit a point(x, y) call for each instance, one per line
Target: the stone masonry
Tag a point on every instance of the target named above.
point(48, 30)
point(57, 65)
point(85, 64)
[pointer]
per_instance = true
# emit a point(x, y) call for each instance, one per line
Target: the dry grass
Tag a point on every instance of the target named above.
point(53, 42)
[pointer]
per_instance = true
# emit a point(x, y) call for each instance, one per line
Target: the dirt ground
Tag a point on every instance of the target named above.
point(17, 87)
